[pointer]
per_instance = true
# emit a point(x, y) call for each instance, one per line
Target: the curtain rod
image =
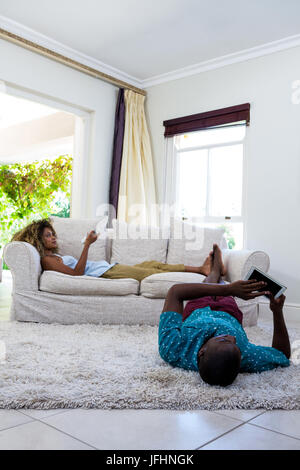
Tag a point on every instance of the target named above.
point(67, 61)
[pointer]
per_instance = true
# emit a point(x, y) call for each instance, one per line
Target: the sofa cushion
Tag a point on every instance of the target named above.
point(133, 244)
point(70, 232)
point(157, 285)
point(190, 244)
point(59, 283)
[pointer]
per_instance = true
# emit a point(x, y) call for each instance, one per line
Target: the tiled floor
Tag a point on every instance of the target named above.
point(145, 429)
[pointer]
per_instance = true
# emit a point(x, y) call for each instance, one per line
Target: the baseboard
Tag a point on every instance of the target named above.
point(291, 312)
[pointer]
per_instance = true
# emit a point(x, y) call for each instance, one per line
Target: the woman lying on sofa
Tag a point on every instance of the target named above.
point(42, 236)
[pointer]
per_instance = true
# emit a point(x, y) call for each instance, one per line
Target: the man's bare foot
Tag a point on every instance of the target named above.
point(218, 260)
point(217, 268)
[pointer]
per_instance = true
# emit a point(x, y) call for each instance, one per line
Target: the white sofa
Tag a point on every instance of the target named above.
point(53, 297)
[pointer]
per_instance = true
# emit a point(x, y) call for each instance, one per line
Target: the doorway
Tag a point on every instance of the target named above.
point(43, 159)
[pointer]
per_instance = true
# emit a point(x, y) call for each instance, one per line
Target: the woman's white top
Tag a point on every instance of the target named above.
point(92, 268)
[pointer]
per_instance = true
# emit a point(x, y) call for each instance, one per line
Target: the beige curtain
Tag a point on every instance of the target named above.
point(137, 197)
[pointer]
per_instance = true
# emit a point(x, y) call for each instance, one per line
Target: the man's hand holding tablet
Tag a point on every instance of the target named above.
point(274, 287)
point(248, 289)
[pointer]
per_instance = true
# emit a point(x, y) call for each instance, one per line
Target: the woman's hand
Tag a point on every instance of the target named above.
point(247, 290)
point(91, 238)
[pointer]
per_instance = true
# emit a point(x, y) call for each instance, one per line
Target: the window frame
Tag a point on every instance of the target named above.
point(207, 219)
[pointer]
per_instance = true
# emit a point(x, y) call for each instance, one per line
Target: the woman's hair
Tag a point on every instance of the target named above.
point(33, 233)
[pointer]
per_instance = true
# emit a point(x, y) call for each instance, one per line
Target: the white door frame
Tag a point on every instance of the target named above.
point(82, 145)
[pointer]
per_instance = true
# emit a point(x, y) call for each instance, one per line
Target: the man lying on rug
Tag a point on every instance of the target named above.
point(42, 236)
point(207, 336)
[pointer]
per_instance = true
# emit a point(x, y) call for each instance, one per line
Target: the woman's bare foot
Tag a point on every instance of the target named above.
point(213, 262)
point(206, 267)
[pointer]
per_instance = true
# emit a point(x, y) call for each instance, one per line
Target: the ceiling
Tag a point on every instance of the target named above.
point(146, 39)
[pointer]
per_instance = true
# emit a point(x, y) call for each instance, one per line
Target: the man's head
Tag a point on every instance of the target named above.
point(219, 360)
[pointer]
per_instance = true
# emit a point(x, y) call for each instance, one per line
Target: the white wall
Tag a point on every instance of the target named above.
point(272, 147)
point(35, 73)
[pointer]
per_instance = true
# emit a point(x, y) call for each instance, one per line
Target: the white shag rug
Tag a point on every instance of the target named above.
point(95, 366)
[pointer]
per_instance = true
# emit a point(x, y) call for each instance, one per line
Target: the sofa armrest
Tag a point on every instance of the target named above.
point(239, 262)
point(25, 264)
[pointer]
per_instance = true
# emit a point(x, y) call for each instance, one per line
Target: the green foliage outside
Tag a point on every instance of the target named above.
point(229, 236)
point(30, 191)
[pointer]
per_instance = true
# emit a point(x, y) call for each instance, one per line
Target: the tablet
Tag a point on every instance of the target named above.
point(272, 286)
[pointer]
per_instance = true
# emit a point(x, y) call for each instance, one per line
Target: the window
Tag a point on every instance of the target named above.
point(209, 178)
